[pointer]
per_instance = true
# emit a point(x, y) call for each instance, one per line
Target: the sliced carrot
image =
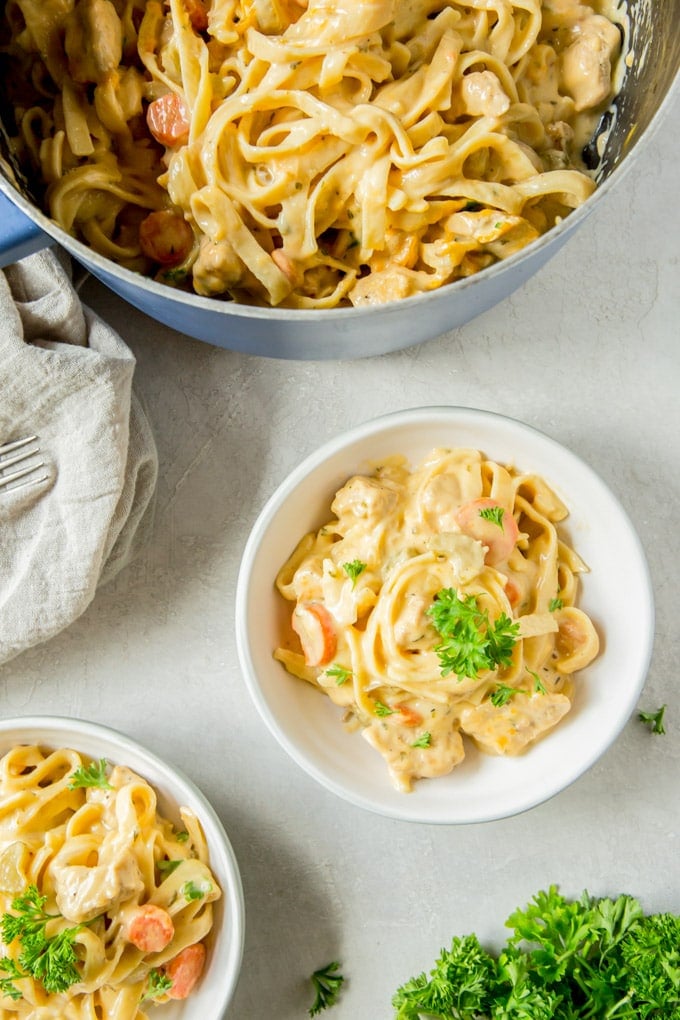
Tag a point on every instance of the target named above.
point(168, 120)
point(150, 928)
point(409, 716)
point(313, 624)
point(165, 237)
point(185, 970)
point(499, 538)
point(513, 592)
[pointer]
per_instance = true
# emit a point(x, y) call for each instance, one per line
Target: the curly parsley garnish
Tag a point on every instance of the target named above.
point(90, 776)
point(539, 686)
point(470, 640)
point(494, 514)
point(424, 740)
point(338, 673)
point(556, 603)
point(191, 891)
point(353, 569)
point(654, 719)
point(382, 709)
point(157, 984)
point(502, 694)
point(51, 961)
point(167, 867)
point(327, 983)
point(584, 959)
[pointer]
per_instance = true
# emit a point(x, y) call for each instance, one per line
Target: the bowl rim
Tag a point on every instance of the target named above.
point(446, 415)
point(54, 726)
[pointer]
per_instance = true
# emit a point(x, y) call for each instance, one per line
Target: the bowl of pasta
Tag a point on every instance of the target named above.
point(433, 615)
point(119, 888)
point(307, 180)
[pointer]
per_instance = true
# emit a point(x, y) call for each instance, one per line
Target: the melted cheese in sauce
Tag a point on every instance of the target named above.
point(363, 586)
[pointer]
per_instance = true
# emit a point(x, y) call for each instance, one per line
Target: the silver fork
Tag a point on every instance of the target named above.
point(21, 455)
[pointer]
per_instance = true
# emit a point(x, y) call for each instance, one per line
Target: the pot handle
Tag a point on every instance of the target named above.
point(19, 235)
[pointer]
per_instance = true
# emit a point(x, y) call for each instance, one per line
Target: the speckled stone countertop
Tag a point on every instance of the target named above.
point(588, 351)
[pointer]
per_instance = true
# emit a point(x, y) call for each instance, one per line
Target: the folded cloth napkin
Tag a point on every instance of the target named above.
point(66, 377)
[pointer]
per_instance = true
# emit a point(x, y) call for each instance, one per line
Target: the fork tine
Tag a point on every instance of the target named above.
point(23, 453)
point(8, 447)
point(16, 475)
point(6, 462)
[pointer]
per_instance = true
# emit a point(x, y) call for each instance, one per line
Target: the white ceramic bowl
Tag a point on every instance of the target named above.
point(616, 594)
point(210, 998)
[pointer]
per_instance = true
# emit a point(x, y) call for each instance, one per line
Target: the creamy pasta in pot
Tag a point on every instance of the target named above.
point(309, 153)
point(105, 905)
point(437, 604)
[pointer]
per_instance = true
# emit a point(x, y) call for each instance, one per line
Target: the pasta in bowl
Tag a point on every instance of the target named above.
point(117, 894)
point(436, 602)
point(437, 607)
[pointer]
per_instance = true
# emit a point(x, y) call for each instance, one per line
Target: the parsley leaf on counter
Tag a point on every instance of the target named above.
point(586, 959)
point(49, 960)
point(470, 641)
point(327, 983)
point(90, 775)
point(654, 719)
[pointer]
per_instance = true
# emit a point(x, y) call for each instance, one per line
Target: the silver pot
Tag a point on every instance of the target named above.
point(649, 86)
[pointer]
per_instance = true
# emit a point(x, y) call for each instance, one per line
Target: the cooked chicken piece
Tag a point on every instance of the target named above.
point(510, 728)
point(414, 751)
point(93, 41)
point(364, 497)
point(481, 95)
point(391, 284)
point(217, 268)
point(587, 63)
point(83, 892)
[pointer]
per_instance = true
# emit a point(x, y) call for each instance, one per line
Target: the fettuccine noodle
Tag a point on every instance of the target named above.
point(364, 588)
point(310, 153)
point(114, 869)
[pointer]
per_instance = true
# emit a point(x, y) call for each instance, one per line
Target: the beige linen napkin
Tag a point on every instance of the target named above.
point(66, 377)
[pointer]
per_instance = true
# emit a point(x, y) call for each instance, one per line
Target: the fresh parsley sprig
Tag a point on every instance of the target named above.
point(326, 982)
point(654, 719)
point(494, 514)
point(338, 673)
point(92, 775)
point(585, 959)
point(157, 984)
point(192, 891)
point(166, 867)
point(470, 640)
point(502, 693)
point(49, 960)
point(353, 569)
